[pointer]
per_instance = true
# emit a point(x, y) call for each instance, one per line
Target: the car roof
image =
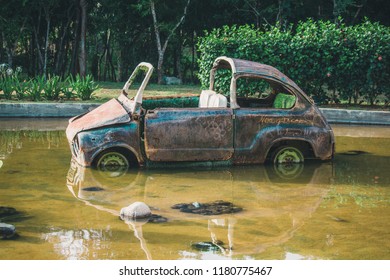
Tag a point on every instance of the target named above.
point(241, 67)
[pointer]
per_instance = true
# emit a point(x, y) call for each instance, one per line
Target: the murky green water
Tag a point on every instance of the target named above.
point(338, 210)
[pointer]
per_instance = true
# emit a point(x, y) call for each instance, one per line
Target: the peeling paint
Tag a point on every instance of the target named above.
point(244, 132)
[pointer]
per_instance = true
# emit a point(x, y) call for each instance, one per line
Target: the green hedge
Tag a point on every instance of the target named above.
point(328, 61)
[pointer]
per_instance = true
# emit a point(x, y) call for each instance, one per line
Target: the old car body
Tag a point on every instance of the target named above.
point(282, 124)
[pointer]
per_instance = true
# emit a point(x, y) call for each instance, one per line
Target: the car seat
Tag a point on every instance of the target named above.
point(217, 101)
point(211, 99)
point(284, 101)
point(204, 98)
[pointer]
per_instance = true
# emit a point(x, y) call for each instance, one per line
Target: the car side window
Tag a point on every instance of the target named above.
point(260, 93)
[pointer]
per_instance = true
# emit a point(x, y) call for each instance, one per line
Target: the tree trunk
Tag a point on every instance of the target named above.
point(83, 38)
point(106, 54)
point(179, 69)
point(61, 45)
point(47, 13)
point(162, 48)
point(1, 46)
point(160, 69)
point(73, 66)
point(10, 57)
point(40, 57)
point(120, 66)
point(279, 16)
point(336, 12)
point(193, 56)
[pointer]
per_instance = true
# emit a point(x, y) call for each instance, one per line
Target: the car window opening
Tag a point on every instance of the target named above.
point(260, 93)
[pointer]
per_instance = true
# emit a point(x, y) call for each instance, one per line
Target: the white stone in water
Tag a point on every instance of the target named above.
point(137, 210)
point(7, 230)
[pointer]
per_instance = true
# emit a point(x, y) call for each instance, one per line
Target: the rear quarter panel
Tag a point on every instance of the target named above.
point(257, 130)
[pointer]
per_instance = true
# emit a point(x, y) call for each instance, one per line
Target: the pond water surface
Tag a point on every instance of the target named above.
point(333, 210)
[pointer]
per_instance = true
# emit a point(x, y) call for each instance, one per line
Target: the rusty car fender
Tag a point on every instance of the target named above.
point(125, 136)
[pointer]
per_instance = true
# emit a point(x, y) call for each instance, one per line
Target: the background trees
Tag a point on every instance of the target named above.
point(108, 38)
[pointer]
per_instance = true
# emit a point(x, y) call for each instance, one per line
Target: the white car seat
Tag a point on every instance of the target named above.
point(217, 101)
point(204, 98)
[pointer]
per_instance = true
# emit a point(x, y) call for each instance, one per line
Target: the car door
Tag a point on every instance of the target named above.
point(189, 134)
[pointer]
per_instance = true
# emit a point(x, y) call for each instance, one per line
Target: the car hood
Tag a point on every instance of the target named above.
point(109, 113)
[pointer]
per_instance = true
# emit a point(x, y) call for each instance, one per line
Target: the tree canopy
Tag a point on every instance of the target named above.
point(108, 38)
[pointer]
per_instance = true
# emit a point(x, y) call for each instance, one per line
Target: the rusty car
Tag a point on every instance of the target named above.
point(264, 117)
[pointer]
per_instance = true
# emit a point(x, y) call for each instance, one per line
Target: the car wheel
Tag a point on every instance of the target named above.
point(288, 162)
point(287, 155)
point(113, 161)
point(288, 171)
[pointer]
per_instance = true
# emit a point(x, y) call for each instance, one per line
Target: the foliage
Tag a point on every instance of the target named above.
point(35, 87)
point(52, 88)
point(7, 87)
point(84, 87)
point(43, 36)
point(20, 88)
point(328, 60)
point(40, 88)
point(9, 80)
point(67, 89)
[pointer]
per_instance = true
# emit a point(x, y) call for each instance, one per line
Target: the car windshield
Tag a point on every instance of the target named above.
point(141, 73)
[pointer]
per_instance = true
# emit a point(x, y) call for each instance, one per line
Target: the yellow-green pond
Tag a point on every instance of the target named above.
point(331, 210)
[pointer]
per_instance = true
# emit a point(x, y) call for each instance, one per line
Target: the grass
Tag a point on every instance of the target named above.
point(108, 90)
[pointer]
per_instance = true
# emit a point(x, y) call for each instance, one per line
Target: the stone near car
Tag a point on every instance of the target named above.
point(264, 117)
point(7, 231)
point(172, 80)
point(136, 210)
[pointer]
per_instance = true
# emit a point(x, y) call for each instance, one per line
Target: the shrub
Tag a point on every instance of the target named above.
point(67, 89)
point(7, 87)
point(326, 60)
point(84, 87)
point(52, 88)
point(9, 80)
point(39, 87)
point(35, 87)
point(20, 88)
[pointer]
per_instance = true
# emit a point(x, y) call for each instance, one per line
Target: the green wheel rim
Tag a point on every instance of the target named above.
point(288, 155)
point(113, 161)
point(288, 171)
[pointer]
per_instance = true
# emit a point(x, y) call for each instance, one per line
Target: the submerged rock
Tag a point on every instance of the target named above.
point(10, 214)
point(354, 153)
point(136, 211)
point(208, 246)
point(7, 211)
point(338, 219)
point(7, 231)
point(93, 189)
point(213, 208)
point(157, 219)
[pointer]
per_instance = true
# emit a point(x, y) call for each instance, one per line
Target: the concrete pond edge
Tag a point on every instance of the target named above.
point(68, 110)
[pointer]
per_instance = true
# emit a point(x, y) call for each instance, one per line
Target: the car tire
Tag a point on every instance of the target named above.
point(112, 161)
point(287, 155)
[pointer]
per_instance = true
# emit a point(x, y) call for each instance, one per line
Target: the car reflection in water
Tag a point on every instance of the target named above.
point(276, 202)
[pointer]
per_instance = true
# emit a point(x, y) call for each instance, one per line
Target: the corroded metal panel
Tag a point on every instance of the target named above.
point(257, 130)
point(189, 134)
point(109, 113)
point(91, 143)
